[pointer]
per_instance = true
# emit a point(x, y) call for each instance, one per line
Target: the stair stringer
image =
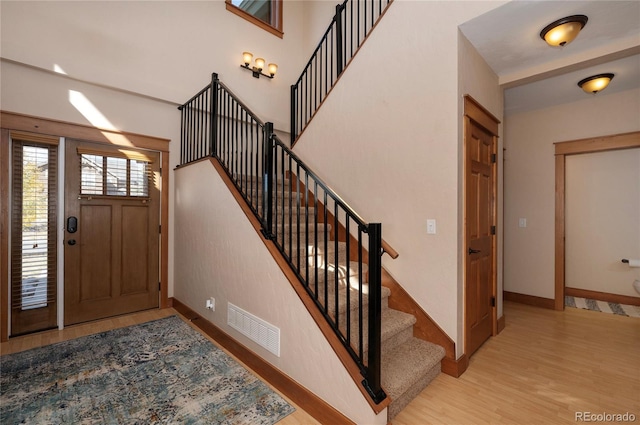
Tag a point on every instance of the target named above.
point(333, 340)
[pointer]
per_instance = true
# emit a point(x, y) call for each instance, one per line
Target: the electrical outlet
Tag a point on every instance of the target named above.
point(211, 304)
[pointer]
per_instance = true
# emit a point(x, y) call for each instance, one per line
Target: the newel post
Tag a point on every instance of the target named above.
point(213, 136)
point(372, 380)
point(267, 181)
point(339, 37)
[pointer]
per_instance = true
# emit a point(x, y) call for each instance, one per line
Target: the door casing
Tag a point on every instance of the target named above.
point(475, 114)
point(573, 147)
point(37, 125)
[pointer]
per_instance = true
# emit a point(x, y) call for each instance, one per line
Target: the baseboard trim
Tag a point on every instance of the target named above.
point(453, 367)
point(305, 399)
point(530, 300)
point(501, 323)
point(602, 296)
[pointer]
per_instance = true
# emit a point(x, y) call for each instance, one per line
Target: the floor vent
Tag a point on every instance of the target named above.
point(256, 329)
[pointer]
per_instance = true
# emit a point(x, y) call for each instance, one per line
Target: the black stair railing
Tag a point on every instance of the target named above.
point(350, 26)
point(301, 215)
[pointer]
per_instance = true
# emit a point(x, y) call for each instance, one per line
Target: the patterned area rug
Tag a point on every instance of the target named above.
point(157, 372)
point(603, 306)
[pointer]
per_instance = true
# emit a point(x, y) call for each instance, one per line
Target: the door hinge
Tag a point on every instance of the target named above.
point(159, 286)
point(493, 230)
point(160, 228)
point(493, 301)
point(493, 158)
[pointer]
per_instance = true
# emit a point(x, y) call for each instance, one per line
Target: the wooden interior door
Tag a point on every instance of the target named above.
point(111, 231)
point(480, 248)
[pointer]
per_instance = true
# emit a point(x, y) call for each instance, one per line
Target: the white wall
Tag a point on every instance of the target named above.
point(162, 49)
point(219, 254)
point(602, 220)
point(530, 179)
point(392, 127)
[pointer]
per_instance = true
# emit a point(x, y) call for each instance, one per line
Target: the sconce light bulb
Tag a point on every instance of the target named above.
point(260, 63)
point(273, 68)
point(246, 57)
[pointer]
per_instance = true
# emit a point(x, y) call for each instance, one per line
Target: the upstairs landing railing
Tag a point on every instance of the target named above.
point(351, 25)
point(301, 215)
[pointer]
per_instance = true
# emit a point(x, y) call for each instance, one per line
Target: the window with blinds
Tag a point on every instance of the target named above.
point(114, 176)
point(33, 226)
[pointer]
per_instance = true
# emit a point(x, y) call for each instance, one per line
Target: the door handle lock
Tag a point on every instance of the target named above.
point(71, 241)
point(473, 251)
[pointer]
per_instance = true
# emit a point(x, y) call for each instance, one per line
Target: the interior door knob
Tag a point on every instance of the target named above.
point(473, 251)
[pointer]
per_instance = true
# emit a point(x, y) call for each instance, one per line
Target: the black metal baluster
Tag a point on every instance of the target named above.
point(268, 179)
point(372, 381)
point(360, 297)
point(325, 252)
point(348, 278)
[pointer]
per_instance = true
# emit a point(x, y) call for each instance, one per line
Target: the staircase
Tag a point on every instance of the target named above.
point(409, 364)
point(333, 252)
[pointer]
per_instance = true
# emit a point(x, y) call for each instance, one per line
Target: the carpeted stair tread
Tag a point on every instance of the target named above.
point(393, 322)
point(406, 365)
point(353, 301)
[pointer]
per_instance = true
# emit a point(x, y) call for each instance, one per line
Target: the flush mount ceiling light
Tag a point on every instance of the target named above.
point(595, 83)
point(563, 31)
point(258, 66)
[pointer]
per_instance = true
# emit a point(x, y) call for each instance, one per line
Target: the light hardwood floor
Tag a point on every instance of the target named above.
point(543, 368)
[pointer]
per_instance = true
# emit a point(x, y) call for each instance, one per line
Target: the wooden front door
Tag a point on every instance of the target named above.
point(111, 245)
point(480, 248)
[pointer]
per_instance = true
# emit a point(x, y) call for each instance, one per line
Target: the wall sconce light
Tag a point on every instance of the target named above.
point(258, 66)
point(595, 83)
point(563, 31)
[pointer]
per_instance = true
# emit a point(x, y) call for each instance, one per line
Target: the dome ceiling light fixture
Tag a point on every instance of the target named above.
point(563, 31)
point(595, 83)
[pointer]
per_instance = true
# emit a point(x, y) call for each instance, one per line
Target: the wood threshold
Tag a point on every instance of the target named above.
point(309, 402)
point(602, 296)
point(332, 338)
point(530, 300)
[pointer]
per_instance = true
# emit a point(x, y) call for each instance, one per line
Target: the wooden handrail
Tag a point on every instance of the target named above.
point(386, 249)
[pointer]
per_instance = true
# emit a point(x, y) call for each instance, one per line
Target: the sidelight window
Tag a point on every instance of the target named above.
point(33, 225)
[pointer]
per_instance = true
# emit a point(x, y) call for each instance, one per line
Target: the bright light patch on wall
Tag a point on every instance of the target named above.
point(96, 118)
point(58, 69)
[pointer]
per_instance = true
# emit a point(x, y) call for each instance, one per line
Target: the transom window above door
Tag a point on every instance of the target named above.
point(108, 175)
